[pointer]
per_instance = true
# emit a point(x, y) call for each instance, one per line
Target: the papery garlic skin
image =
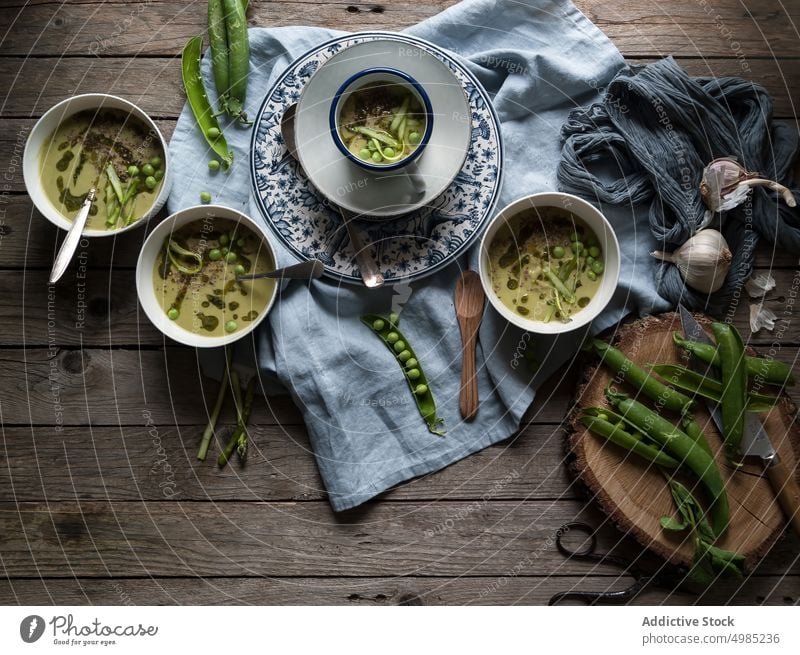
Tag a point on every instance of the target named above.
point(759, 285)
point(704, 260)
point(761, 317)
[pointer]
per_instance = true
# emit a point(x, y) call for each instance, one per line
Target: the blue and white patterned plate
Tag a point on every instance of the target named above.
point(408, 247)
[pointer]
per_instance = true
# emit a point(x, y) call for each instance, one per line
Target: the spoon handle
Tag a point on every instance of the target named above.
point(64, 256)
point(366, 262)
point(310, 270)
point(468, 397)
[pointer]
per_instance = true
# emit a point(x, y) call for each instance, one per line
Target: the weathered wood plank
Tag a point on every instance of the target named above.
point(34, 85)
point(100, 308)
point(152, 462)
point(93, 539)
point(725, 28)
point(52, 386)
point(503, 590)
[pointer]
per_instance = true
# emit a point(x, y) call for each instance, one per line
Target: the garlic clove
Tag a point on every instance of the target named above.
point(759, 285)
point(761, 317)
point(703, 261)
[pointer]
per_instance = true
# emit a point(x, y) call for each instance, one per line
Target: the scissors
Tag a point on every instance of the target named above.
point(668, 580)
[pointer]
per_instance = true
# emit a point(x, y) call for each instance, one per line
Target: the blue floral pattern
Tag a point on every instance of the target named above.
point(408, 247)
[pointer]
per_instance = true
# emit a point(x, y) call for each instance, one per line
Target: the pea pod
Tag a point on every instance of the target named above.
point(640, 379)
point(733, 399)
point(619, 436)
point(707, 387)
point(386, 329)
point(771, 371)
point(683, 448)
point(198, 100)
point(218, 40)
point(238, 57)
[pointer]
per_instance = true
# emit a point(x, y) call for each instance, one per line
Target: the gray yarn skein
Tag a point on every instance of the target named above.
point(656, 129)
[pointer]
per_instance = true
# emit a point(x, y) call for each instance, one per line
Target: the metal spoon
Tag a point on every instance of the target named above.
point(310, 270)
point(366, 262)
point(67, 250)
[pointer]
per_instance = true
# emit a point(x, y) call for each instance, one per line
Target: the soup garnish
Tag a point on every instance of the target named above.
point(195, 277)
point(545, 264)
point(382, 123)
point(108, 149)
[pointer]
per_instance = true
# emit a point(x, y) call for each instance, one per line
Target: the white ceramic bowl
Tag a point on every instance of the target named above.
point(48, 123)
point(147, 261)
point(594, 220)
point(383, 193)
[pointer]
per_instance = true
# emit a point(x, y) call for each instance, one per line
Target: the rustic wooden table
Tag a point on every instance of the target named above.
point(101, 498)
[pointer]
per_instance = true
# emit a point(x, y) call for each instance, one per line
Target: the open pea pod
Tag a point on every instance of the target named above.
point(394, 340)
point(198, 100)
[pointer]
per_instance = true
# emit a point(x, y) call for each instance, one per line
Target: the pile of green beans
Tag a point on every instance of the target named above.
point(769, 371)
point(230, 54)
point(683, 448)
point(386, 328)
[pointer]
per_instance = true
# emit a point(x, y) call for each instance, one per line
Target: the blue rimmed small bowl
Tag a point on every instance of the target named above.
point(388, 76)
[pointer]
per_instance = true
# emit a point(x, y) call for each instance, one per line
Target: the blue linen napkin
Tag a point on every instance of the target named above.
point(539, 59)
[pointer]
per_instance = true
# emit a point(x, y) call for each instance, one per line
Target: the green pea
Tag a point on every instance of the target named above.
point(388, 152)
point(412, 363)
point(413, 374)
point(399, 346)
point(414, 138)
point(594, 251)
point(225, 251)
point(213, 133)
point(377, 157)
point(133, 171)
point(591, 275)
point(394, 319)
point(155, 162)
point(577, 247)
point(589, 260)
point(150, 182)
point(239, 269)
point(392, 337)
point(231, 257)
point(213, 165)
point(158, 174)
point(558, 252)
point(231, 326)
point(365, 153)
point(148, 169)
point(404, 356)
point(240, 242)
point(371, 146)
point(215, 255)
point(603, 416)
point(597, 266)
point(173, 313)
point(224, 239)
point(378, 325)
point(421, 389)
point(205, 197)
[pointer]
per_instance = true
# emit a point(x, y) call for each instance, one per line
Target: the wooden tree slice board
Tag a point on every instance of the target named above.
point(635, 494)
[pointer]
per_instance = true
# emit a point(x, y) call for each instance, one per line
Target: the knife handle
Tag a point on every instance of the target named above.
point(785, 486)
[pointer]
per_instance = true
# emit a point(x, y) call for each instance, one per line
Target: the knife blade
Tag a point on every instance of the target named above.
point(694, 331)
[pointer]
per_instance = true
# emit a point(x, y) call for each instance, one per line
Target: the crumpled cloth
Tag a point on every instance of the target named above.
point(646, 144)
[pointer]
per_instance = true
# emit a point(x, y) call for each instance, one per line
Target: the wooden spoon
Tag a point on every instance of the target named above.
point(469, 301)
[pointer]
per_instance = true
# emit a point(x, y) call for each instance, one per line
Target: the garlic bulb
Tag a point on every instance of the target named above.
point(704, 260)
point(726, 184)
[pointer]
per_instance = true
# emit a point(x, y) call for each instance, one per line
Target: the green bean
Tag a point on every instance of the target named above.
point(627, 441)
point(708, 387)
point(637, 377)
point(771, 371)
point(415, 376)
point(205, 440)
point(175, 250)
point(684, 448)
point(559, 286)
point(733, 399)
point(198, 100)
point(111, 174)
point(238, 440)
point(238, 57)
